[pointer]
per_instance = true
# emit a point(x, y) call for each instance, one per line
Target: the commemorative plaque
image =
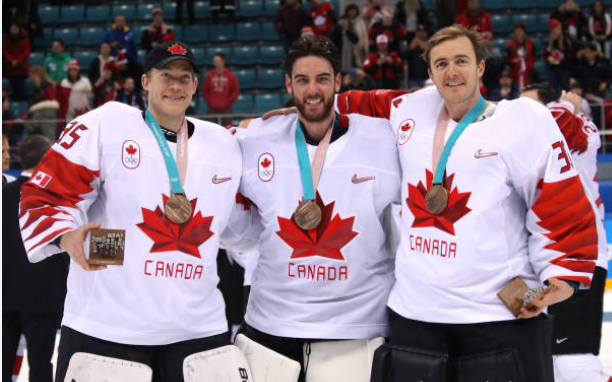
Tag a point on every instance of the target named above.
point(106, 246)
point(517, 295)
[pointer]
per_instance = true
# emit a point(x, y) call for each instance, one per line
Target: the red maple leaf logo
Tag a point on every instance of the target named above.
point(326, 240)
point(266, 162)
point(131, 150)
point(168, 236)
point(406, 126)
point(456, 209)
point(177, 49)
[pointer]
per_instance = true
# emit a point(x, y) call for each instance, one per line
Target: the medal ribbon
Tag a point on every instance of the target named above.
point(470, 117)
point(306, 172)
point(176, 180)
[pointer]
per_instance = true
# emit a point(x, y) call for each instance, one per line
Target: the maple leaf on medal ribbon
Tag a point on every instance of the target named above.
point(169, 236)
point(326, 240)
point(455, 210)
point(131, 150)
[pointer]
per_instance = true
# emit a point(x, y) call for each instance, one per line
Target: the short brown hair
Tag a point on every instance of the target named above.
point(480, 44)
point(318, 46)
point(32, 150)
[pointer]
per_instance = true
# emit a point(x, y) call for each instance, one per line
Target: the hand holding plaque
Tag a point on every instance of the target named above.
point(106, 246)
point(517, 295)
point(72, 243)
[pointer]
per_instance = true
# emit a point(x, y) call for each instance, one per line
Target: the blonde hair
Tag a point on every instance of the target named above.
point(479, 43)
point(39, 74)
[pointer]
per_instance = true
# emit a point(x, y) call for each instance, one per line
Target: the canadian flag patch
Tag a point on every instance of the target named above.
point(265, 167)
point(41, 179)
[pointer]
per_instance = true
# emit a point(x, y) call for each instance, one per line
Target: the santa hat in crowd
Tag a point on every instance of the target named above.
point(74, 64)
point(307, 31)
point(112, 66)
point(121, 58)
point(382, 39)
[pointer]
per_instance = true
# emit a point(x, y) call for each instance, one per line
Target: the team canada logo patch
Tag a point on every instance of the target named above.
point(130, 154)
point(41, 179)
point(265, 167)
point(404, 131)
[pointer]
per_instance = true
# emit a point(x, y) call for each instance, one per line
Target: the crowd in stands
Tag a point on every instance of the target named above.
point(381, 47)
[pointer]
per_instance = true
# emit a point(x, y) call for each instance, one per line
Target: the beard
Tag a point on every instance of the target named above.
point(328, 105)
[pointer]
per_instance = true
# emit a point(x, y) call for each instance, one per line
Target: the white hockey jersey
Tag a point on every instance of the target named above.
point(516, 208)
point(107, 167)
point(331, 282)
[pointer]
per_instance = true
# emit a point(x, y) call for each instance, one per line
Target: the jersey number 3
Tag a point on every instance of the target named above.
point(71, 135)
point(562, 156)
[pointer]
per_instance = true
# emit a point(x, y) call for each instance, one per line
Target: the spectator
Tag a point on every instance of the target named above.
point(6, 165)
point(15, 54)
point(410, 14)
point(120, 38)
point(506, 89)
point(158, 32)
point(446, 12)
point(57, 63)
point(108, 83)
point(344, 38)
point(220, 89)
point(323, 17)
point(30, 307)
point(129, 94)
point(361, 49)
point(391, 28)
point(476, 17)
point(558, 54)
point(179, 12)
point(76, 92)
point(576, 88)
point(417, 67)
point(595, 75)
point(573, 20)
point(128, 68)
point(357, 79)
point(600, 28)
point(98, 64)
point(372, 12)
point(521, 56)
point(43, 112)
point(289, 21)
point(227, 7)
point(384, 65)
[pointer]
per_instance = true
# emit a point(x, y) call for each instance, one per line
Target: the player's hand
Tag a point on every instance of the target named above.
point(285, 111)
point(559, 291)
point(573, 98)
point(72, 242)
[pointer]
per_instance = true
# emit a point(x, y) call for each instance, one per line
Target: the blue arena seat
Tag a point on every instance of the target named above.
point(49, 14)
point(97, 13)
point(267, 102)
point(169, 9)
point(270, 78)
point(44, 41)
point(243, 105)
point(521, 4)
point(546, 4)
point(494, 5)
point(91, 36)
point(18, 107)
point(69, 35)
point(201, 105)
point(271, 55)
point(246, 78)
point(285, 98)
point(248, 31)
point(501, 44)
point(268, 32)
point(530, 20)
point(222, 32)
point(6, 85)
point(142, 55)
point(245, 55)
point(543, 22)
point(501, 23)
point(36, 58)
point(137, 32)
point(250, 8)
point(271, 6)
point(72, 14)
point(128, 10)
point(85, 58)
point(195, 33)
point(538, 47)
point(210, 54)
point(541, 70)
point(30, 86)
point(202, 10)
point(143, 12)
point(585, 3)
point(200, 56)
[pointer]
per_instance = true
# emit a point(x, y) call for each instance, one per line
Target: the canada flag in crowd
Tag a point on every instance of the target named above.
point(41, 179)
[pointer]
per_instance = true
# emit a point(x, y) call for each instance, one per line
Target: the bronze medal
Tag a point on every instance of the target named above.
point(436, 199)
point(307, 215)
point(178, 209)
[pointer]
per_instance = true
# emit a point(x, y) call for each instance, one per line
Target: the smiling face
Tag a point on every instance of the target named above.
point(455, 71)
point(170, 89)
point(313, 86)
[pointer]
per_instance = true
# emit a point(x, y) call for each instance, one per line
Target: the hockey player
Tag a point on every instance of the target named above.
point(500, 200)
point(115, 168)
point(325, 268)
point(576, 346)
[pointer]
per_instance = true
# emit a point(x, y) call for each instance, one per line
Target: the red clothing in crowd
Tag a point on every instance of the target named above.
point(521, 58)
point(220, 90)
point(481, 20)
point(323, 19)
point(395, 32)
point(16, 49)
point(386, 76)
